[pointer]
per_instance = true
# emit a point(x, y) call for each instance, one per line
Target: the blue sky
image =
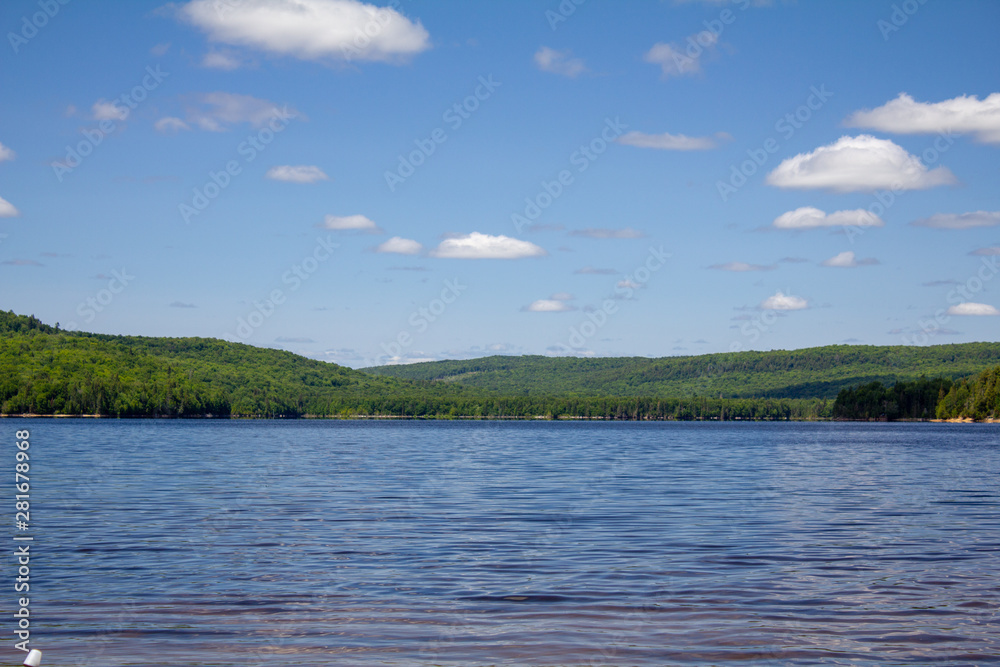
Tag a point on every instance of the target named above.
point(390, 182)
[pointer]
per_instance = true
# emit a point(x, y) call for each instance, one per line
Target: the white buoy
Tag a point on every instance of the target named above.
point(34, 658)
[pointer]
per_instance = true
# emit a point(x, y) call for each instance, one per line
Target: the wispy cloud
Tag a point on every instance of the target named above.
point(672, 142)
point(986, 252)
point(220, 111)
point(741, 267)
point(224, 60)
point(589, 270)
point(182, 304)
point(170, 124)
point(862, 163)
point(559, 62)
point(960, 221)
point(606, 233)
point(104, 110)
point(8, 210)
point(21, 262)
point(6, 153)
point(673, 59)
point(847, 260)
point(296, 174)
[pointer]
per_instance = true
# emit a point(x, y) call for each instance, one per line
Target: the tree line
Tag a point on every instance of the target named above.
point(47, 371)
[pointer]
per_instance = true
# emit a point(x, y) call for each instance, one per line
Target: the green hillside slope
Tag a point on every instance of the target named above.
point(810, 373)
point(47, 371)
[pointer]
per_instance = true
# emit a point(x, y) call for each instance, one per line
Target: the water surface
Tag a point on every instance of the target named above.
point(483, 543)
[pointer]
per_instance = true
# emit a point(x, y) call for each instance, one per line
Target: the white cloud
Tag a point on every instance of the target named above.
point(671, 142)
point(781, 301)
point(7, 210)
point(349, 223)
point(6, 153)
point(963, 221)
point(966, 114)
point(223, 60)
point(484, 246)
point(400, 246)
point(861, 163)
point(217, 111)
point(605, 233)
point(105, 110)
point(847, 260)
point(160, 49)
point(673, 59)
point(975, 309)
point(170, 124)
point(342, 30)
point(548, 306)
point(296, 174)
point(808, 217)
point(559, 62)
point(629, 284)
point(741, 267)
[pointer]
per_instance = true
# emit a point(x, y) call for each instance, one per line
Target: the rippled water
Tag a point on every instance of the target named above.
point(482, 543)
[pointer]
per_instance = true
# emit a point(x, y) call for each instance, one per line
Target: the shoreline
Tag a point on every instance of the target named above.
point(954, 420)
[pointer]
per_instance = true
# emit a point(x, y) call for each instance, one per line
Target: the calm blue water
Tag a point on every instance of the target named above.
point(472, 543)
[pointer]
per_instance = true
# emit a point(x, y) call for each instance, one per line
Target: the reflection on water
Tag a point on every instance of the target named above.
point(480, 543)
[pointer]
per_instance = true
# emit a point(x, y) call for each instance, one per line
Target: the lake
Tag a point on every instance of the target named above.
point(253, 543)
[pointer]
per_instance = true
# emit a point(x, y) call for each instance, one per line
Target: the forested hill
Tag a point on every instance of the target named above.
point(819, 372)
point(47, 371)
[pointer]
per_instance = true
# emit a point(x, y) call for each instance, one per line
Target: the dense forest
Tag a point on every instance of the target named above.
point(47, 371)
point(973, 398)
point(810, 373)
point(904, 400)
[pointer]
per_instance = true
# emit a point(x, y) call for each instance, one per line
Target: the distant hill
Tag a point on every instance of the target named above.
point(47, 371)
point(819, 372)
